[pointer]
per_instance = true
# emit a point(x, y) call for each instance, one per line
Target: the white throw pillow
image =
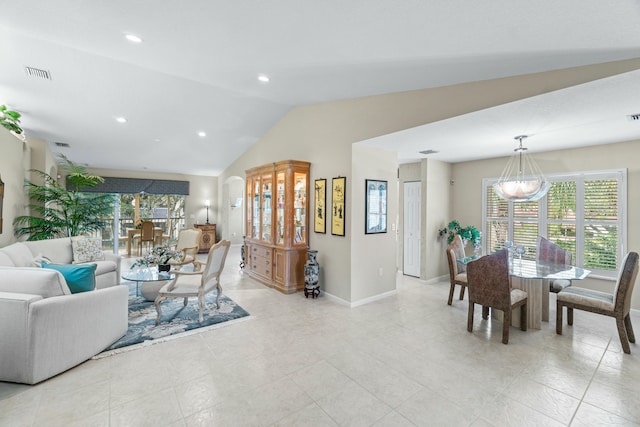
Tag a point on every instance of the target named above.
point(39, 259)
point(86, 249)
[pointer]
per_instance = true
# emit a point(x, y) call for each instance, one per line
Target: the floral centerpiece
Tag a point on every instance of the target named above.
point(160, 255)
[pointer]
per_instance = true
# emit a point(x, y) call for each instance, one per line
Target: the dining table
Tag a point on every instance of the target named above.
point(157, 236)
point(533, 276)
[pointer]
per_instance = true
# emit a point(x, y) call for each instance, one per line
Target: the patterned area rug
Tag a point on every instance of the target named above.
point(177, 320)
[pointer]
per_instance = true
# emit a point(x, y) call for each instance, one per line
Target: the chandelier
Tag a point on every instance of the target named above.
point(522, 180)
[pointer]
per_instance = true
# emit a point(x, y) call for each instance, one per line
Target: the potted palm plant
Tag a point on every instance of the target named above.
point(58, 211)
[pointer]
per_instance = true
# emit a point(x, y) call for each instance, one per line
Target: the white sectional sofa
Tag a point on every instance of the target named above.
point(60, 251)
point(47, 329)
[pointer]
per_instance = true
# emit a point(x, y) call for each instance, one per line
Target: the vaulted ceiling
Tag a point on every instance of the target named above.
point(197, 68)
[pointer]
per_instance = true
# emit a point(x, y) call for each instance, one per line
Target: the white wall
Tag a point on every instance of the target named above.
point(15, 160)
point(373, 256)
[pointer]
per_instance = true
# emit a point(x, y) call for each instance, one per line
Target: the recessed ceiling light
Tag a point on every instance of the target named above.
point(202, 134)
point(264, 78)
point(121, 120)
point(133, 38)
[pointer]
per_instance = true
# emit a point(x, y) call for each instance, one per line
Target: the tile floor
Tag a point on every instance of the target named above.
point(402, 361)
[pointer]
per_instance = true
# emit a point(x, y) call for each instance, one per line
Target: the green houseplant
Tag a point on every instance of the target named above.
point(59, 211)
point(468, 234)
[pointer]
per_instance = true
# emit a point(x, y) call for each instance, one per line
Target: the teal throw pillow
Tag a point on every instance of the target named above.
point(80, 278)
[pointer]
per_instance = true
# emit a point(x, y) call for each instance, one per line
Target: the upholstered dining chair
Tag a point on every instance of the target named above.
point(457, 245)
point(548, 251)
point(146, 236)
point(490, 286)
point(196, 284)
point(615, 305)
point(455, 277)
point(189, 243)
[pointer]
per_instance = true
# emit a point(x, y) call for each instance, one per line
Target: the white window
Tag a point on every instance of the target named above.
point(583, 212)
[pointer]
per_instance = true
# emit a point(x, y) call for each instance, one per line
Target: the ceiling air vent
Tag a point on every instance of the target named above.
point(429, 152)
point(38, 73)
point(61, 144)
point(633, 117)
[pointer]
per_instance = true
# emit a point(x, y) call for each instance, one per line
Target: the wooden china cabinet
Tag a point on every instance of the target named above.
point(277, 224)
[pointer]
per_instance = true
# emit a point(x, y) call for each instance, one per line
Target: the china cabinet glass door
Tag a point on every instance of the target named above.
point(299, 207)
point(255, 229)
point(280, 197)
point(266, 207)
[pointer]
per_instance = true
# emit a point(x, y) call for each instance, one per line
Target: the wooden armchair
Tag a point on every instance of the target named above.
point(189, 243)
point(489, 286)
point(616, 305)
point(196, 284)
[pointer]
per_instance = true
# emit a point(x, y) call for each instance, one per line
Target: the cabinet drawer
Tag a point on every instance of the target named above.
point(261, 268)
point(260, 260)
point(261, 251)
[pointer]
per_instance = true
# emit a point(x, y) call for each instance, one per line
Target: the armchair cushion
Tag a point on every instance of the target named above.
point(80, 278)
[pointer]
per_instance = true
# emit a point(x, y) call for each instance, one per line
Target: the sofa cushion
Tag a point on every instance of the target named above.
point(19, 254)
point(104, 267)
point(80, 278)
point(5, 261)
point(30, 280)
point(86, 249)
point(57, 250)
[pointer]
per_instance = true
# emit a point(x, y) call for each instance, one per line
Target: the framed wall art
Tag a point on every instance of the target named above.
point(375, 206)
point(319, 223)
point(338, 195)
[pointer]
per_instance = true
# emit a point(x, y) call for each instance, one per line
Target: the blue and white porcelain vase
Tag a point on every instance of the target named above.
point(311, 274)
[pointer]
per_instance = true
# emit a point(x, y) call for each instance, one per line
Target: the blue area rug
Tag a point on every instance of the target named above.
point(176, 319)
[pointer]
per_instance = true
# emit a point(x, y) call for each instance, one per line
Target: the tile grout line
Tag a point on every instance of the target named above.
point(591, 380)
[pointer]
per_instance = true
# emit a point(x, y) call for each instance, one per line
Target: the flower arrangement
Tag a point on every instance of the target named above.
point(158, 256)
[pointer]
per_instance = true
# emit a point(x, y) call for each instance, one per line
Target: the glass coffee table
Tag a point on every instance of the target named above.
point(148, 281)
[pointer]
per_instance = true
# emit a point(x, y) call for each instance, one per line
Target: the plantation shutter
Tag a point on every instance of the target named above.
point(525, 227)
point(600, 224)
point(583, 212)
point(497, 221)
point(561, 215)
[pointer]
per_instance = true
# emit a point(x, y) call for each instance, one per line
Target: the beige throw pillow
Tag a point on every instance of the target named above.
point(86, 249)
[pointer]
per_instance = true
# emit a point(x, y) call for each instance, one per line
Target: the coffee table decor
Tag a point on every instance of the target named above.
point(160, 256)
point(177, 320)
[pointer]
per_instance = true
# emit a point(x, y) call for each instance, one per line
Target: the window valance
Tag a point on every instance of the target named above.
point(140, 185)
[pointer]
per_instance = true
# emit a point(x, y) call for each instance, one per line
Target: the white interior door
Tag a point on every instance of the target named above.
point(411, 222)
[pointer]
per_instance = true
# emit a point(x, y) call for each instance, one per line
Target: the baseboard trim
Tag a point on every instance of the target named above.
point(360, 302)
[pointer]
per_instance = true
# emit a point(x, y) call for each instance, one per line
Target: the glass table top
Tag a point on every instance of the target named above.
point(531, 269)
point(147, 274)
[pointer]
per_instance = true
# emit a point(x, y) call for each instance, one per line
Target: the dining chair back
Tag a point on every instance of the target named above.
point(548, 251)
point(455, 277)
point(490, 286)
point(146, 235)
point(616, 304)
